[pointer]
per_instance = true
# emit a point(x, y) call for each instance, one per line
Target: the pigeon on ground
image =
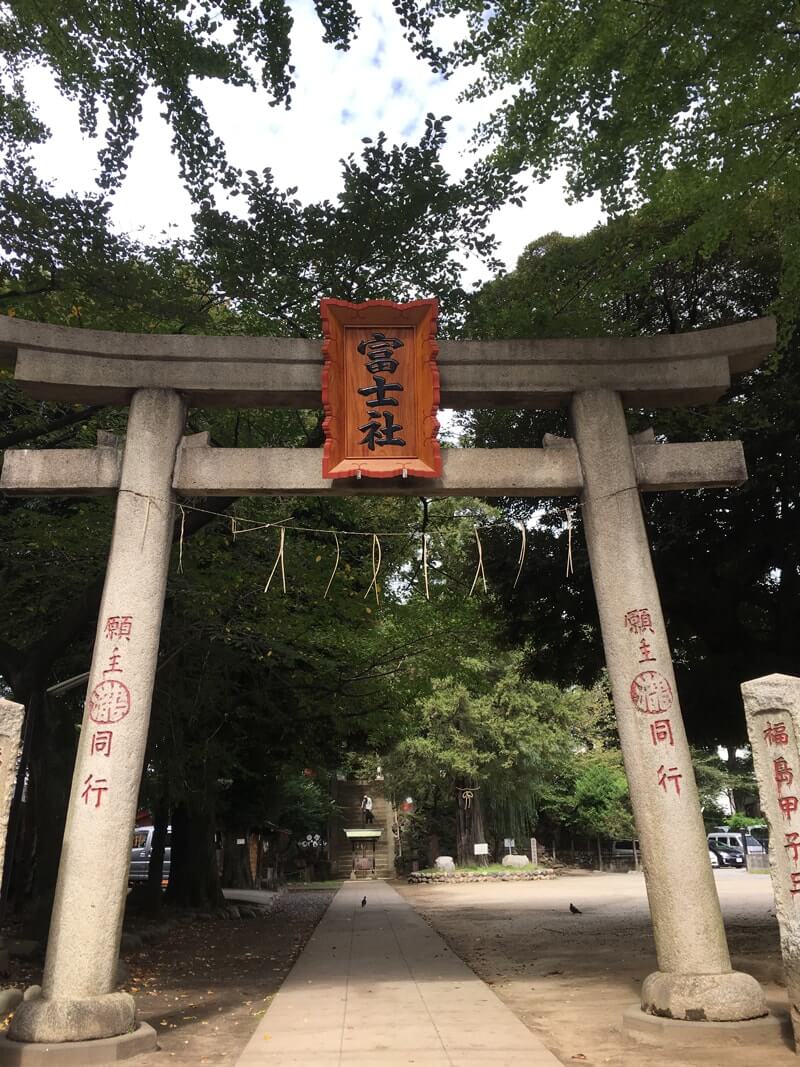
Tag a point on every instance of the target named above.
point(574, 910)
point(364, 902)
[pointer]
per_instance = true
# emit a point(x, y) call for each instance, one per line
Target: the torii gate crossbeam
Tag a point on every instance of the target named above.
point(159, 376)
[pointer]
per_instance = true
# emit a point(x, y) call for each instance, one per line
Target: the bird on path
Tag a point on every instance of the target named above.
point(364, 902)
point(574, 910)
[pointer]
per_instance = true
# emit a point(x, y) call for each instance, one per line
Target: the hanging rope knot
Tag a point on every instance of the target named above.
point(466, 796)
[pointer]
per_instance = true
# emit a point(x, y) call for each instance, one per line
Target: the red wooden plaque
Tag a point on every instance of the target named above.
point(380, 389)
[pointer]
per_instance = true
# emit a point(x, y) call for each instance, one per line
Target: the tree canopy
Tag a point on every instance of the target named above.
point(725, 559)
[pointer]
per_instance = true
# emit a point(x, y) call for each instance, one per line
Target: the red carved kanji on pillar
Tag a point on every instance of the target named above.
point(110, 701)
point(651, 692)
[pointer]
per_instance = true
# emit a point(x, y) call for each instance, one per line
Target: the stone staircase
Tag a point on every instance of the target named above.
point(348, 798)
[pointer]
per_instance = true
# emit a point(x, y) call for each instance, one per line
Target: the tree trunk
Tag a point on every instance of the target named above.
point(434, 850)
point(236, 873)
point(52, 758)
point(469, 825)
point(193, 877)
point(153, 894)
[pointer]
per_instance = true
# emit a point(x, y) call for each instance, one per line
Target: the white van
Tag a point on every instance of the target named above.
point(141, 849)
point(734, 839)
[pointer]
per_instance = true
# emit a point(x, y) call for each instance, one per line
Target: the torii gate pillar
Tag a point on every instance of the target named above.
point(158, 376)
point(77, 1002)
point(694, 980)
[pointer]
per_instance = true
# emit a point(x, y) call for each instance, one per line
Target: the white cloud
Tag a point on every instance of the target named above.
point(340, 98)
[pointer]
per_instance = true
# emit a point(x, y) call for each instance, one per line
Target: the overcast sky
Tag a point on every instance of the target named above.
point(340, 98)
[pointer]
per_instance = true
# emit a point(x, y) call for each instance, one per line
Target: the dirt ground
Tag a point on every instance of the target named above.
point(569, 977)
point(205, 986)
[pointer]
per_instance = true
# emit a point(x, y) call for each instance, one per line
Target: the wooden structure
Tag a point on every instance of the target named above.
point(380, 389)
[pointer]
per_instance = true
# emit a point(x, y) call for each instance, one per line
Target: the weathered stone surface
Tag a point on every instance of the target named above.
point(551, 471)
point(98, 1053)
point(60, 363)
point(772, 711)
point(721, 998)
point(9, 999)
point(444, 863)
point(515, 861)
point(669, 1033)
point(11, 718)
point(43, 1020)
point(687, 922)
point(83, 948)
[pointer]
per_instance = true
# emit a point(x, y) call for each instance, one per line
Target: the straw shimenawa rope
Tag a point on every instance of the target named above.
point(278, 560)
point(570, 513)
point(240, 525)
point(335, 568)
point(376, 566)
point(521, 559)
point(425, 564)
point(180, 543)
point(479, 572)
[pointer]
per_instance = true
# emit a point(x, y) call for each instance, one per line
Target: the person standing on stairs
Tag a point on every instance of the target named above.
point(366, 807)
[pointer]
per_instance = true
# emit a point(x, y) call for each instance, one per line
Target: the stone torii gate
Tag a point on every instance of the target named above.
point(160, 376)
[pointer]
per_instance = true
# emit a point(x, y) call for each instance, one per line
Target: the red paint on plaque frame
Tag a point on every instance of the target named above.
point(380, 389)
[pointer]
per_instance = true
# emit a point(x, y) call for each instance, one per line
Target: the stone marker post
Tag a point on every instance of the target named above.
point(78, 1001)
point(772, 710)
point(694, 980)
point(11, 717)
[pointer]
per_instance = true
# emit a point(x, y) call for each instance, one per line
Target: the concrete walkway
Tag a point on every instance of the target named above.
point(376, 987)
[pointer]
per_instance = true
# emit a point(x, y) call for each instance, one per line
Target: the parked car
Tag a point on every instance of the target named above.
point(728, 857)
point(141, 851)
point(713, 859)
point(735, 840)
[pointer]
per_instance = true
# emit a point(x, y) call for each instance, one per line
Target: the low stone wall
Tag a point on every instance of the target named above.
point(491, 876)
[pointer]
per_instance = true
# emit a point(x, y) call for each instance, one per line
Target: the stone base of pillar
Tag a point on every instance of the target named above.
point(41, 1021)
point(79, 1053)
point(719, 998)
point(770, 1030)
